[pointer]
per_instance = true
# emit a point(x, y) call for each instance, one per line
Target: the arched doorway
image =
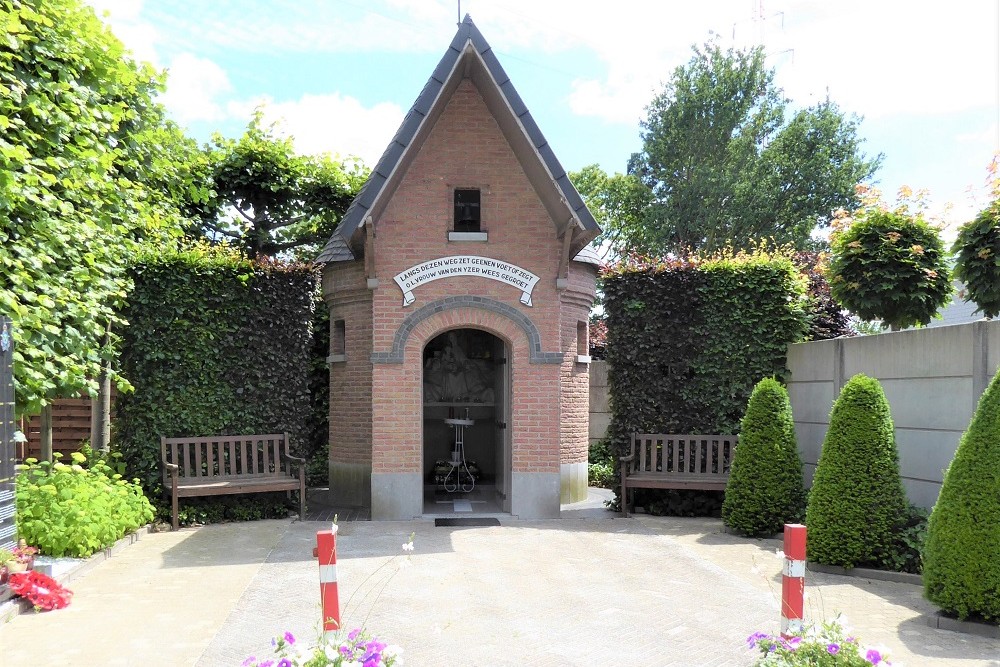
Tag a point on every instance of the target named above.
point(466, 438)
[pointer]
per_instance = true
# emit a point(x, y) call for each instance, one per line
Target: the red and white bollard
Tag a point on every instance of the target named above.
point(793, 579)
point(326, 551)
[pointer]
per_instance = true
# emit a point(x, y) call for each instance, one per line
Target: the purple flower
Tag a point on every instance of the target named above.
point(833, 649)
point(266, 663)
point(873, 656)
point(756, 637)
point(249, 661)
point(284, 662)
point(353, 634)
point(289, 637)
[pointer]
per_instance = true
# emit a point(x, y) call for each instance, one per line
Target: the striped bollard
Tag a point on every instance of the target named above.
point(326, 551)
point(793, 579)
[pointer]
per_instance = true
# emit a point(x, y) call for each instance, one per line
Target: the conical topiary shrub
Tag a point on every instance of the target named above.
point(962, 554)
point(765, 488)
point(857, 496)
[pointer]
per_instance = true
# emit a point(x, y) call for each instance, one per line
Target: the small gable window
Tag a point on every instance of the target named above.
point(467, 209)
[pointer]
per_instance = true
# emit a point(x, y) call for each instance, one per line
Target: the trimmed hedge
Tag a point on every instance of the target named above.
point(962, 553)
point(689, 339)
point(765, 488)
point(857, 497)
point(215, 345)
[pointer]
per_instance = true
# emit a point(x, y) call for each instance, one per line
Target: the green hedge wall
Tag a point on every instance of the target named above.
point(689, 339)
point(215, 345)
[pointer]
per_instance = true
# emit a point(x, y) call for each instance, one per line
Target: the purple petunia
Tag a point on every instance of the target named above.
point(284, 662)
point(353, 634)
point(873, 656)
point(249, 661)
point(289, 637)
point(756, 637)
point(833, 649)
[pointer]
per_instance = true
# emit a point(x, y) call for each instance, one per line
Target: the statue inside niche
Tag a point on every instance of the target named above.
point(451, 376)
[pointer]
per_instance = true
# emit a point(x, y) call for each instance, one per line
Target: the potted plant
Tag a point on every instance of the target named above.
point(6, 556)
point(22, 558)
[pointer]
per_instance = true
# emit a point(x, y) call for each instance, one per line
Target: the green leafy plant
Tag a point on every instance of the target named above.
point(977, 260)
point(825, 645)
point(688, 339)
point(765, 488)
point(601, 465)
point(69, 510)
point(892, 266)
point(909, 535)
point(216, 345)
point(857, 495)
point(961, 564)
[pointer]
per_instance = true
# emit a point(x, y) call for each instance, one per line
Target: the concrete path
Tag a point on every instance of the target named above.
point(588, 590)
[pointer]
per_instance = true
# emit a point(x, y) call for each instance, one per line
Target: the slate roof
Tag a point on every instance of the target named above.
point(469, 55)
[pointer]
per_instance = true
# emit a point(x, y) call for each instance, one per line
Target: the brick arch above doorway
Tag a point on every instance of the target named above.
point(535, 353)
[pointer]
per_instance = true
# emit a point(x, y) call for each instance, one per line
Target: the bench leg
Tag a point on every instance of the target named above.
point(173, 508)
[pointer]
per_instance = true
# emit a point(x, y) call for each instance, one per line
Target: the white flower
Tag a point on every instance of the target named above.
point(19, 438)
point(408, 546)
point(778, 553)
point(392, 651)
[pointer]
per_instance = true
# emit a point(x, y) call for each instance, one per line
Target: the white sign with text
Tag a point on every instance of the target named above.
point(466, 265)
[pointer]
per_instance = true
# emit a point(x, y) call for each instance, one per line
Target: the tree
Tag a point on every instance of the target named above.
point(618, 203)
point(765, 488)
point(961, 567)
point(977, 260)
point(722, 165)
point(827, 318)
point(890, 265)
point(269, 200)
point(857, 496)
point(82, 139)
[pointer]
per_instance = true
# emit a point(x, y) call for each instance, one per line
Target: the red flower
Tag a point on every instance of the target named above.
point(40, 589)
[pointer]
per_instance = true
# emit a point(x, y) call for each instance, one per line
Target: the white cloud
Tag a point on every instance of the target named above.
point(333, 123)
point(138, 36)
point(988, 137)
point(193, 87)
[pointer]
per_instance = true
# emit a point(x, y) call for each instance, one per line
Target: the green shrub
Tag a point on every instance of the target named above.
point(216, 345)
point(689, 338)
point(890, 266)
point(962, 556)
point(765, 488)
point(857, 496)
point(69, 510)
point(977, 260)
point(909, 535)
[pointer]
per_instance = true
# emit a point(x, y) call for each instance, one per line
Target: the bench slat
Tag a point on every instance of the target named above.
point(677, 461)
point(203, 466)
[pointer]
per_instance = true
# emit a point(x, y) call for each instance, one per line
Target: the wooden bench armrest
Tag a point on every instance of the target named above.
point(298, 459)
point(172, 467)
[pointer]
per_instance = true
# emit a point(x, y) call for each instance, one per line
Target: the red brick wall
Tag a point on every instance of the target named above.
point(574, 394)
point(466, 149)
point(349, 299)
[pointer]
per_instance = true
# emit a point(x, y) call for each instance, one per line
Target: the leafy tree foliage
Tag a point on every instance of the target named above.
point(723, 166)
point(857, 496)
point(765, 488)
point(84, 151)
point(977, 260)
point(961, 568)
point(827, 317)
point(270, 200)
point(618, 203)
point(891, 266)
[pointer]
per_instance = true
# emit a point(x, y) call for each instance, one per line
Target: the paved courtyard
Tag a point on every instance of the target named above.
point(587, 590)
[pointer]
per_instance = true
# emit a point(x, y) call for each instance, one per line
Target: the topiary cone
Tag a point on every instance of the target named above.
point(962, 553)
point(857, 495)
point(765, 488)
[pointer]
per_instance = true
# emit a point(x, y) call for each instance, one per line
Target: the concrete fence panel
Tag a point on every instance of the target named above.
point(932, 378)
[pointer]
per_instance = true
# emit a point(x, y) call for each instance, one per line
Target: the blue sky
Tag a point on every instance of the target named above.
point(340, 74)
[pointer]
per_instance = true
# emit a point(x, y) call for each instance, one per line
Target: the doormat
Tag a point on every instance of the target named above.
point(467, 521)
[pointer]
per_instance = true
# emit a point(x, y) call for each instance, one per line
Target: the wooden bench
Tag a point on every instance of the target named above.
point(667, 461)
point(227, 464)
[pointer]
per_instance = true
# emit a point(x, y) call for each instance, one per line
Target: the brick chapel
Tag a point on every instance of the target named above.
point(460, 284)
